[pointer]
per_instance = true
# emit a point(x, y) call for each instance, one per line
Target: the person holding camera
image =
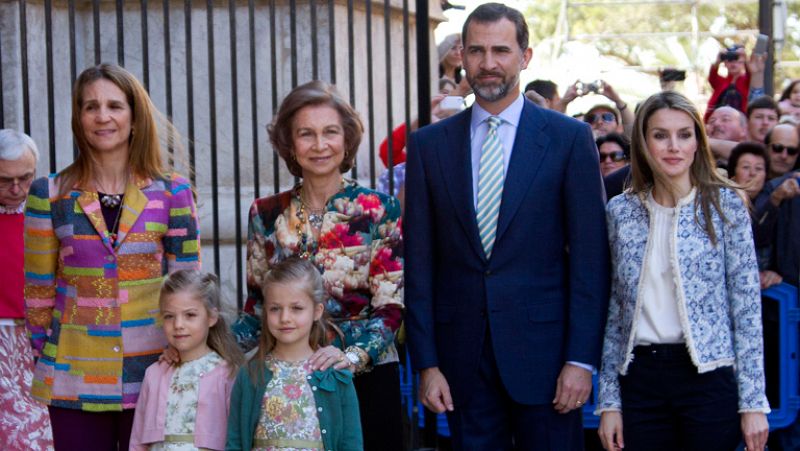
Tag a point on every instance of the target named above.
point(603, 118)
point(733, 89)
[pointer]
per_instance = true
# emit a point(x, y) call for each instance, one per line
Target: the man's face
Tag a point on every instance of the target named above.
point(15, 179)
point(603, 122)
point(493, 60)
point(760, 122)
point(725, 123)
point(783, 142)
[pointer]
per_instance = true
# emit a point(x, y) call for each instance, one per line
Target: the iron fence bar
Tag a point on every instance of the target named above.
point(332, 38)
point(2, 103)
point(98, 56)
point(423, 64)
point(312, 5)
point(407, 71)
point(187, 11)
point(293, 39)
point(120, 34)
point(253, 100)
point(276, 185)
point(351, 69)
point(73, 60)
point(23, 42)
point(51, 111)
point(237, 186)
point(387, 16)
point(370, 100)
point(212, 109)
point(145, 49)
point(168, 79)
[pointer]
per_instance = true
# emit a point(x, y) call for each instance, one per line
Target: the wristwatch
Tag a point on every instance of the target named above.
point(357, 357)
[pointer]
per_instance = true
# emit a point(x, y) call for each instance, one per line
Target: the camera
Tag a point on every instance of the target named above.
point(730, 54)
point(584, 87)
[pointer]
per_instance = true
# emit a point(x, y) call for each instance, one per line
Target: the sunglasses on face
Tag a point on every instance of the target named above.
point(616, 157)
point(605, 117)
point(779, 148)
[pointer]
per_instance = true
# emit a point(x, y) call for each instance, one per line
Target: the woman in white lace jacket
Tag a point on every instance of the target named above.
point(682, 360)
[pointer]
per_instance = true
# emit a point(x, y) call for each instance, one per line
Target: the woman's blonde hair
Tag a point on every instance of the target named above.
point(146, 157)
point(703, 174)
point(205, 288)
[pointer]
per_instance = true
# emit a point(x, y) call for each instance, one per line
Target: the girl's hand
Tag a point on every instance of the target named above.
point(170, 356)
point(755, 430)
point(328, 356)
point(610, 431)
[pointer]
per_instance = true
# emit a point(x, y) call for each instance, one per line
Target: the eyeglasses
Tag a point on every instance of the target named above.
point(616, 157)
point(23, 181)
point(605, 117)
point(779, 148)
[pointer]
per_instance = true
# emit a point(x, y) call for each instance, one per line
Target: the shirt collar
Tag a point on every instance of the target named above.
point(12, 211)
point(510, 115)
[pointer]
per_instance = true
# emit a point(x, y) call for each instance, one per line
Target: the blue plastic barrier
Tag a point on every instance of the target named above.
point(789, 313)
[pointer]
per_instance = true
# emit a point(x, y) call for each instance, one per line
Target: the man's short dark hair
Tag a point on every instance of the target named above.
point(492, 12)
point(617, 138)
point(544, 88)
point(762, 103)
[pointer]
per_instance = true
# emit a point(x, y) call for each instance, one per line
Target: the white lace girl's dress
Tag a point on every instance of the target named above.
point(288, 411)
point(182, 403)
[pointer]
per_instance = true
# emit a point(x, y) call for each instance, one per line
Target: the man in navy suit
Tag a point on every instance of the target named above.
point(506, 301)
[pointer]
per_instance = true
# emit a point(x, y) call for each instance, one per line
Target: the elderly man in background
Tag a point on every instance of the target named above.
point(726, 127)
point(24, 424)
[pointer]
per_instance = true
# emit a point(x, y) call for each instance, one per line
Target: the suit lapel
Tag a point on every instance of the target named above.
point(530, 145)
point(133, 205)
point(457, 156)
point(90, 204)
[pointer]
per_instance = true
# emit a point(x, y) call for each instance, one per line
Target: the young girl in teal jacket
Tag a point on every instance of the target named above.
point(277, 400)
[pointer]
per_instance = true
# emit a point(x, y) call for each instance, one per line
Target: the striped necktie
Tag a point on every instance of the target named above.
point(490, 185)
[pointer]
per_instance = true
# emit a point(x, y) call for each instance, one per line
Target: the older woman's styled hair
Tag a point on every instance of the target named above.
point(314, 93)
point(703, 174)
point(146, 158)
point(747, 147)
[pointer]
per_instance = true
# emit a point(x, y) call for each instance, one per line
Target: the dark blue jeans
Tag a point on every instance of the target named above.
point(668, 405)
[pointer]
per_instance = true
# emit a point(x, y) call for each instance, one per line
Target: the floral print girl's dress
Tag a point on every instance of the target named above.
point(288, 411)
point(182, 403)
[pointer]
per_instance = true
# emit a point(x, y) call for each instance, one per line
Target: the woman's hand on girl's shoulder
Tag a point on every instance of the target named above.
point(610, 431)
point(329, 356)
point(755, 430)
point(170, 356)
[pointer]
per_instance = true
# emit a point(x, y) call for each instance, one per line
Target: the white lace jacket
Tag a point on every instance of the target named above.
point(719, 299)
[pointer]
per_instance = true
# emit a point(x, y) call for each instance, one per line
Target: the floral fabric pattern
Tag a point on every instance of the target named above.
point(24, 423)
point(358, 252)
point(288, 408)
point(718, 294)
point(182, 400)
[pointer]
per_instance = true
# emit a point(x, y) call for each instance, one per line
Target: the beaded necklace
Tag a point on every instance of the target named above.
point(313, 216)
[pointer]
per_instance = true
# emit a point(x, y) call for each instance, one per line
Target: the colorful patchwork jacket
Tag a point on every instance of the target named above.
point(359, 253)
point(719, 300)
point(92, 305)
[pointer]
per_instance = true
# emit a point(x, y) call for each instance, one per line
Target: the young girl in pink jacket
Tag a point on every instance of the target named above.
point(185, 406)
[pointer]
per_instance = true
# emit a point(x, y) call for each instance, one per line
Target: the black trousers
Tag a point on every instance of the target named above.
point(380, 408)
point(668, 405)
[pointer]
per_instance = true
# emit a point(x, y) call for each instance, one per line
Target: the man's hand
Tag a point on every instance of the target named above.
point(769, 278)
point(611, 94)
point(572, 388)
point(755, 431)
point(789, 189)
point(434, 391)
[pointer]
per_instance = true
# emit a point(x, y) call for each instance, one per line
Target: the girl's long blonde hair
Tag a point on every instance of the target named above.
point(703, 174)
point(302, 273)
point(205, 287)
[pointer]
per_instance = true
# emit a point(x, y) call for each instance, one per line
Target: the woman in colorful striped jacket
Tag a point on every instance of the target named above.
point(99, 238)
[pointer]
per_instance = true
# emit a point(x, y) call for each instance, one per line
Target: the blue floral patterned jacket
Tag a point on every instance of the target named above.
point(718, 293)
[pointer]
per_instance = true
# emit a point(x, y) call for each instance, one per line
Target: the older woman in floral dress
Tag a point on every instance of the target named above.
point(353, 236)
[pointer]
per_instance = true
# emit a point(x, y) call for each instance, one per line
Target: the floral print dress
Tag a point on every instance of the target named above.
point(289, 419)
point(358, 251)
point(182, 403)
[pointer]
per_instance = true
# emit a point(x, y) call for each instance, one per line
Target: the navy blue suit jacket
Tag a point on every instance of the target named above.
point(543, 294)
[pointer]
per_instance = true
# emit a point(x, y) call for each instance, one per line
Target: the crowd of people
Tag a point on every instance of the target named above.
point(528, 250)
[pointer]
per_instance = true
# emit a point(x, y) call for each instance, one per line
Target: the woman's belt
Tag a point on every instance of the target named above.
point(287, 443)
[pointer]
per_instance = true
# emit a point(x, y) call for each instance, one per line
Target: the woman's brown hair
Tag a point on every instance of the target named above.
point(205, 288)
point(314, 93)
point(703, 174)
point(146, 157)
